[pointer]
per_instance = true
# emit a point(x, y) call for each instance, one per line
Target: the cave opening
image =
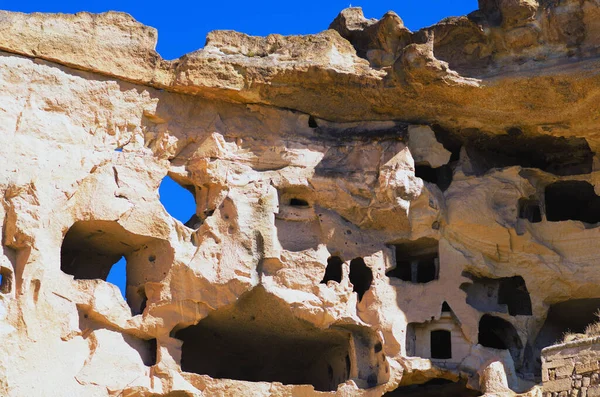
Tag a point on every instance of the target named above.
point(416, 261)
point(296, 202)
point(179, 201)
point(259, 339)
point(572, 316)
point(501, 295)
point(530, 209)
point(5, 280)
point(91, 249)
point(572, 200)
point(312, 122)
point(360, 276)
point(437, 387)
point(440, 176)
point(441, 344)
point(513, 293)
point(497, 333)
point(333, 271)
point(556, 155)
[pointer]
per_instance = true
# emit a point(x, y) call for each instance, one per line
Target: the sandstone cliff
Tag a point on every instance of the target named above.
point(376, 209)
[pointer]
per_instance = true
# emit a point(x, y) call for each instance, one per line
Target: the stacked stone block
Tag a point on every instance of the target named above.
point(572, 369)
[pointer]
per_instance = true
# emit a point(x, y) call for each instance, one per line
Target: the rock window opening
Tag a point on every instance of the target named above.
point(296, 202)
point(152, 350)
point(530, 209)
point(104, 250)
point(312, 122)
point(501, 295)
point(5, 280)
point(441, 176)
point(117, 275)
point(441, 344)
point(498, 333)
point(513, 293)
point(258, 339)
point(333, 271)
point(572, 200)
point(416, 261)
point(360, 276)
point(179, 201)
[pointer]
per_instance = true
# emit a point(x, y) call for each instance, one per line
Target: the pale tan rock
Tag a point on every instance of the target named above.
point(339, 246)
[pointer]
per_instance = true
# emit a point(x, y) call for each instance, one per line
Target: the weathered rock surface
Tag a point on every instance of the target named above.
point(378, 211)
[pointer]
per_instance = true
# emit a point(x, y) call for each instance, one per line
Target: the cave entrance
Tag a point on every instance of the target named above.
point(572, 200)
point(90, 249)
point(441, 344)
point(437, 387)
point(498, 333)
point(441, 176)
point(360, 276)
point(258, 339)
point(572, 316)
point(556, 155)
point(416, 261)
point(530, 209)
point(507, 294)
point(333, 271)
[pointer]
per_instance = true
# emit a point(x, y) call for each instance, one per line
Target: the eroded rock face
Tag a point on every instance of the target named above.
point(377, 210)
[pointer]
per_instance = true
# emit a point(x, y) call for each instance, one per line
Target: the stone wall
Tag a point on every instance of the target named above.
point(572, 369)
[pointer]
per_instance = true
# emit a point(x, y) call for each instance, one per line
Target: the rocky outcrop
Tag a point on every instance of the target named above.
point(378, 211)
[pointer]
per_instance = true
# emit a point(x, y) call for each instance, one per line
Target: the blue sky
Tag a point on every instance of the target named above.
point(182, 28)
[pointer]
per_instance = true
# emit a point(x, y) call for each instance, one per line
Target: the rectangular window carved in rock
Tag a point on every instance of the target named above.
point(416, 261)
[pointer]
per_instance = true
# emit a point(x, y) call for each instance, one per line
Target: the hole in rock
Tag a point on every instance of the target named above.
point(152, 349)
point(5, 280)
point(498, 333)
point(569, 316)
point(179, 201)
point(501, 295)
point(258, 339)
point(312, 122)
point(360, 276)
point(556, 155)
point(333, 271)
point(572, 316)
point(530, 209)
point(435, 388)
point(118, 276)
point(446, 308)
point(416, 261)
point(441, 176)
point(572, 200)
point(296, 202)
point(91, 249)
point(441, 344)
